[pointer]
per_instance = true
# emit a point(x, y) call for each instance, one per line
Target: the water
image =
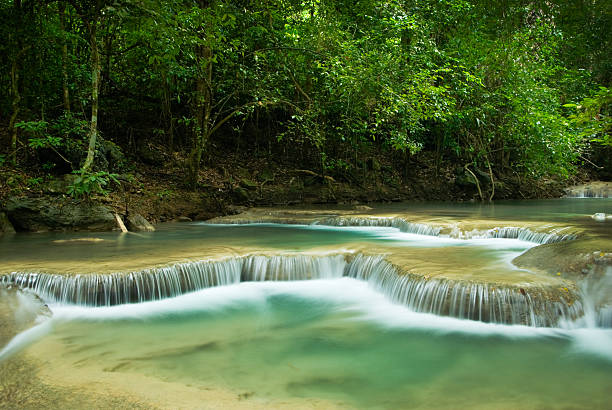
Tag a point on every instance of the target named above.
point(203, 316)
point(336, 340)
point(173, 242)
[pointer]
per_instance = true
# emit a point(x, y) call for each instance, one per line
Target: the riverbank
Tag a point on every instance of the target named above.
point(160, 193)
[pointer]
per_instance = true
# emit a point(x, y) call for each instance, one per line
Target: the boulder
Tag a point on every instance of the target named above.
point(137, 223)
point(45, 214)
point(5, 224)
point(601, 217)
point(240, 195)
point(59, 185)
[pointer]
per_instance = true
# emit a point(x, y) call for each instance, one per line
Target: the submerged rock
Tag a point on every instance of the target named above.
point(601, 217)
point(42, 214)
point(138, 223)
point(18, 311)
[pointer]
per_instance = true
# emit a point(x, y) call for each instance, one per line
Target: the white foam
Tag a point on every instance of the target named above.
point(593, 341)
point(343, 295)
point(26, 338)
point(346, 294)
point(395, 234)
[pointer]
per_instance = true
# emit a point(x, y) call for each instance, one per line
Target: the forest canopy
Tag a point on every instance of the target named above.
point(518, 87)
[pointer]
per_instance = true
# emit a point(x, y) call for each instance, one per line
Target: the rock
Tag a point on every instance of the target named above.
point(47, 214)
point(236, 209)
point(240, 195)
point(150, 155)
point(601, 217)
point(362, 208)
point(59, 185)
point(5, 224)
point(247, 184)
point(137, 223)
point(183, 219)
point(114, 156)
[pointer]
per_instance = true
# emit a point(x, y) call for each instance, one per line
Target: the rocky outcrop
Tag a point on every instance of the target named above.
point(42, 214)
point(137, 223)
point(5, 224)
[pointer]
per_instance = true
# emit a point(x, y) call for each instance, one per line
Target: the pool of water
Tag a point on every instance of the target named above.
point(336, 340)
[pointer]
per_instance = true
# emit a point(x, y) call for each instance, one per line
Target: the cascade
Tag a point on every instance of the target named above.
point(460, 299)
point(174, 280)
point(464, 300)
point(524, 234)
point(596, 297)
point(587, 192)
point(399, 223)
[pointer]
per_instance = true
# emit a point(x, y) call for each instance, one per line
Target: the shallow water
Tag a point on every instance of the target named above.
point(173, 242)
point(336, 340)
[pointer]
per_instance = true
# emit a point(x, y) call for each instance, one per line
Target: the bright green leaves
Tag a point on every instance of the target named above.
point(86, 184)
point(593, 117)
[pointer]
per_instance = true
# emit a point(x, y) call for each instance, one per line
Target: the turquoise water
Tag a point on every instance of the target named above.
point(337, 340)
point(341, 341)
point(171, 239)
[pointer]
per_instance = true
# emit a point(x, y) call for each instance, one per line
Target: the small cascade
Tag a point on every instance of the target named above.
point(174, 280)
point(287, 268)
point(460, 299)
point(596, 293)
point(524, 234)
point(133, 287)
point(399, 223)
point(588, 192)
point(464, 300)
point(509, 232)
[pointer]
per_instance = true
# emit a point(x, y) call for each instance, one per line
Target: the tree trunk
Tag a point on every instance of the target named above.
point(203, 109)
point(95, 86)
point(15, 104)
point(167, 111)
point(15, 113)
point(62, 22)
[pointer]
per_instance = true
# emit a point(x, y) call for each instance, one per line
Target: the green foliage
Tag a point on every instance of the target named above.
point(472, 81)
point(165, 194)
point(593, 117)
point(34, 182)
point(91, 183)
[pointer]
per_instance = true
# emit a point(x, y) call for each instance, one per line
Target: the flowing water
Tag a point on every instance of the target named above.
point(232, 313)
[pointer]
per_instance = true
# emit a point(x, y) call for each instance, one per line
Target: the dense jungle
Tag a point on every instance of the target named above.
point(203, 105)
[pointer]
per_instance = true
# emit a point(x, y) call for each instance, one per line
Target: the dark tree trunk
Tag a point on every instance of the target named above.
point(62, 22)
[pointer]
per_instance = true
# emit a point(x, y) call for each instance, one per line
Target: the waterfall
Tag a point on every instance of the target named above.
point(464, 300)
point(587, 192)
point(399, 223)
point(510, 232)
point(287, 268)
point(524, 234)
point(174, 280)
point(597, 298)
point(456, 298)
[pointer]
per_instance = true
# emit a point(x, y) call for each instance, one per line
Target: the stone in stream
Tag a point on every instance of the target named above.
point(601, 217)
point(43, 214)
point(137, 223)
